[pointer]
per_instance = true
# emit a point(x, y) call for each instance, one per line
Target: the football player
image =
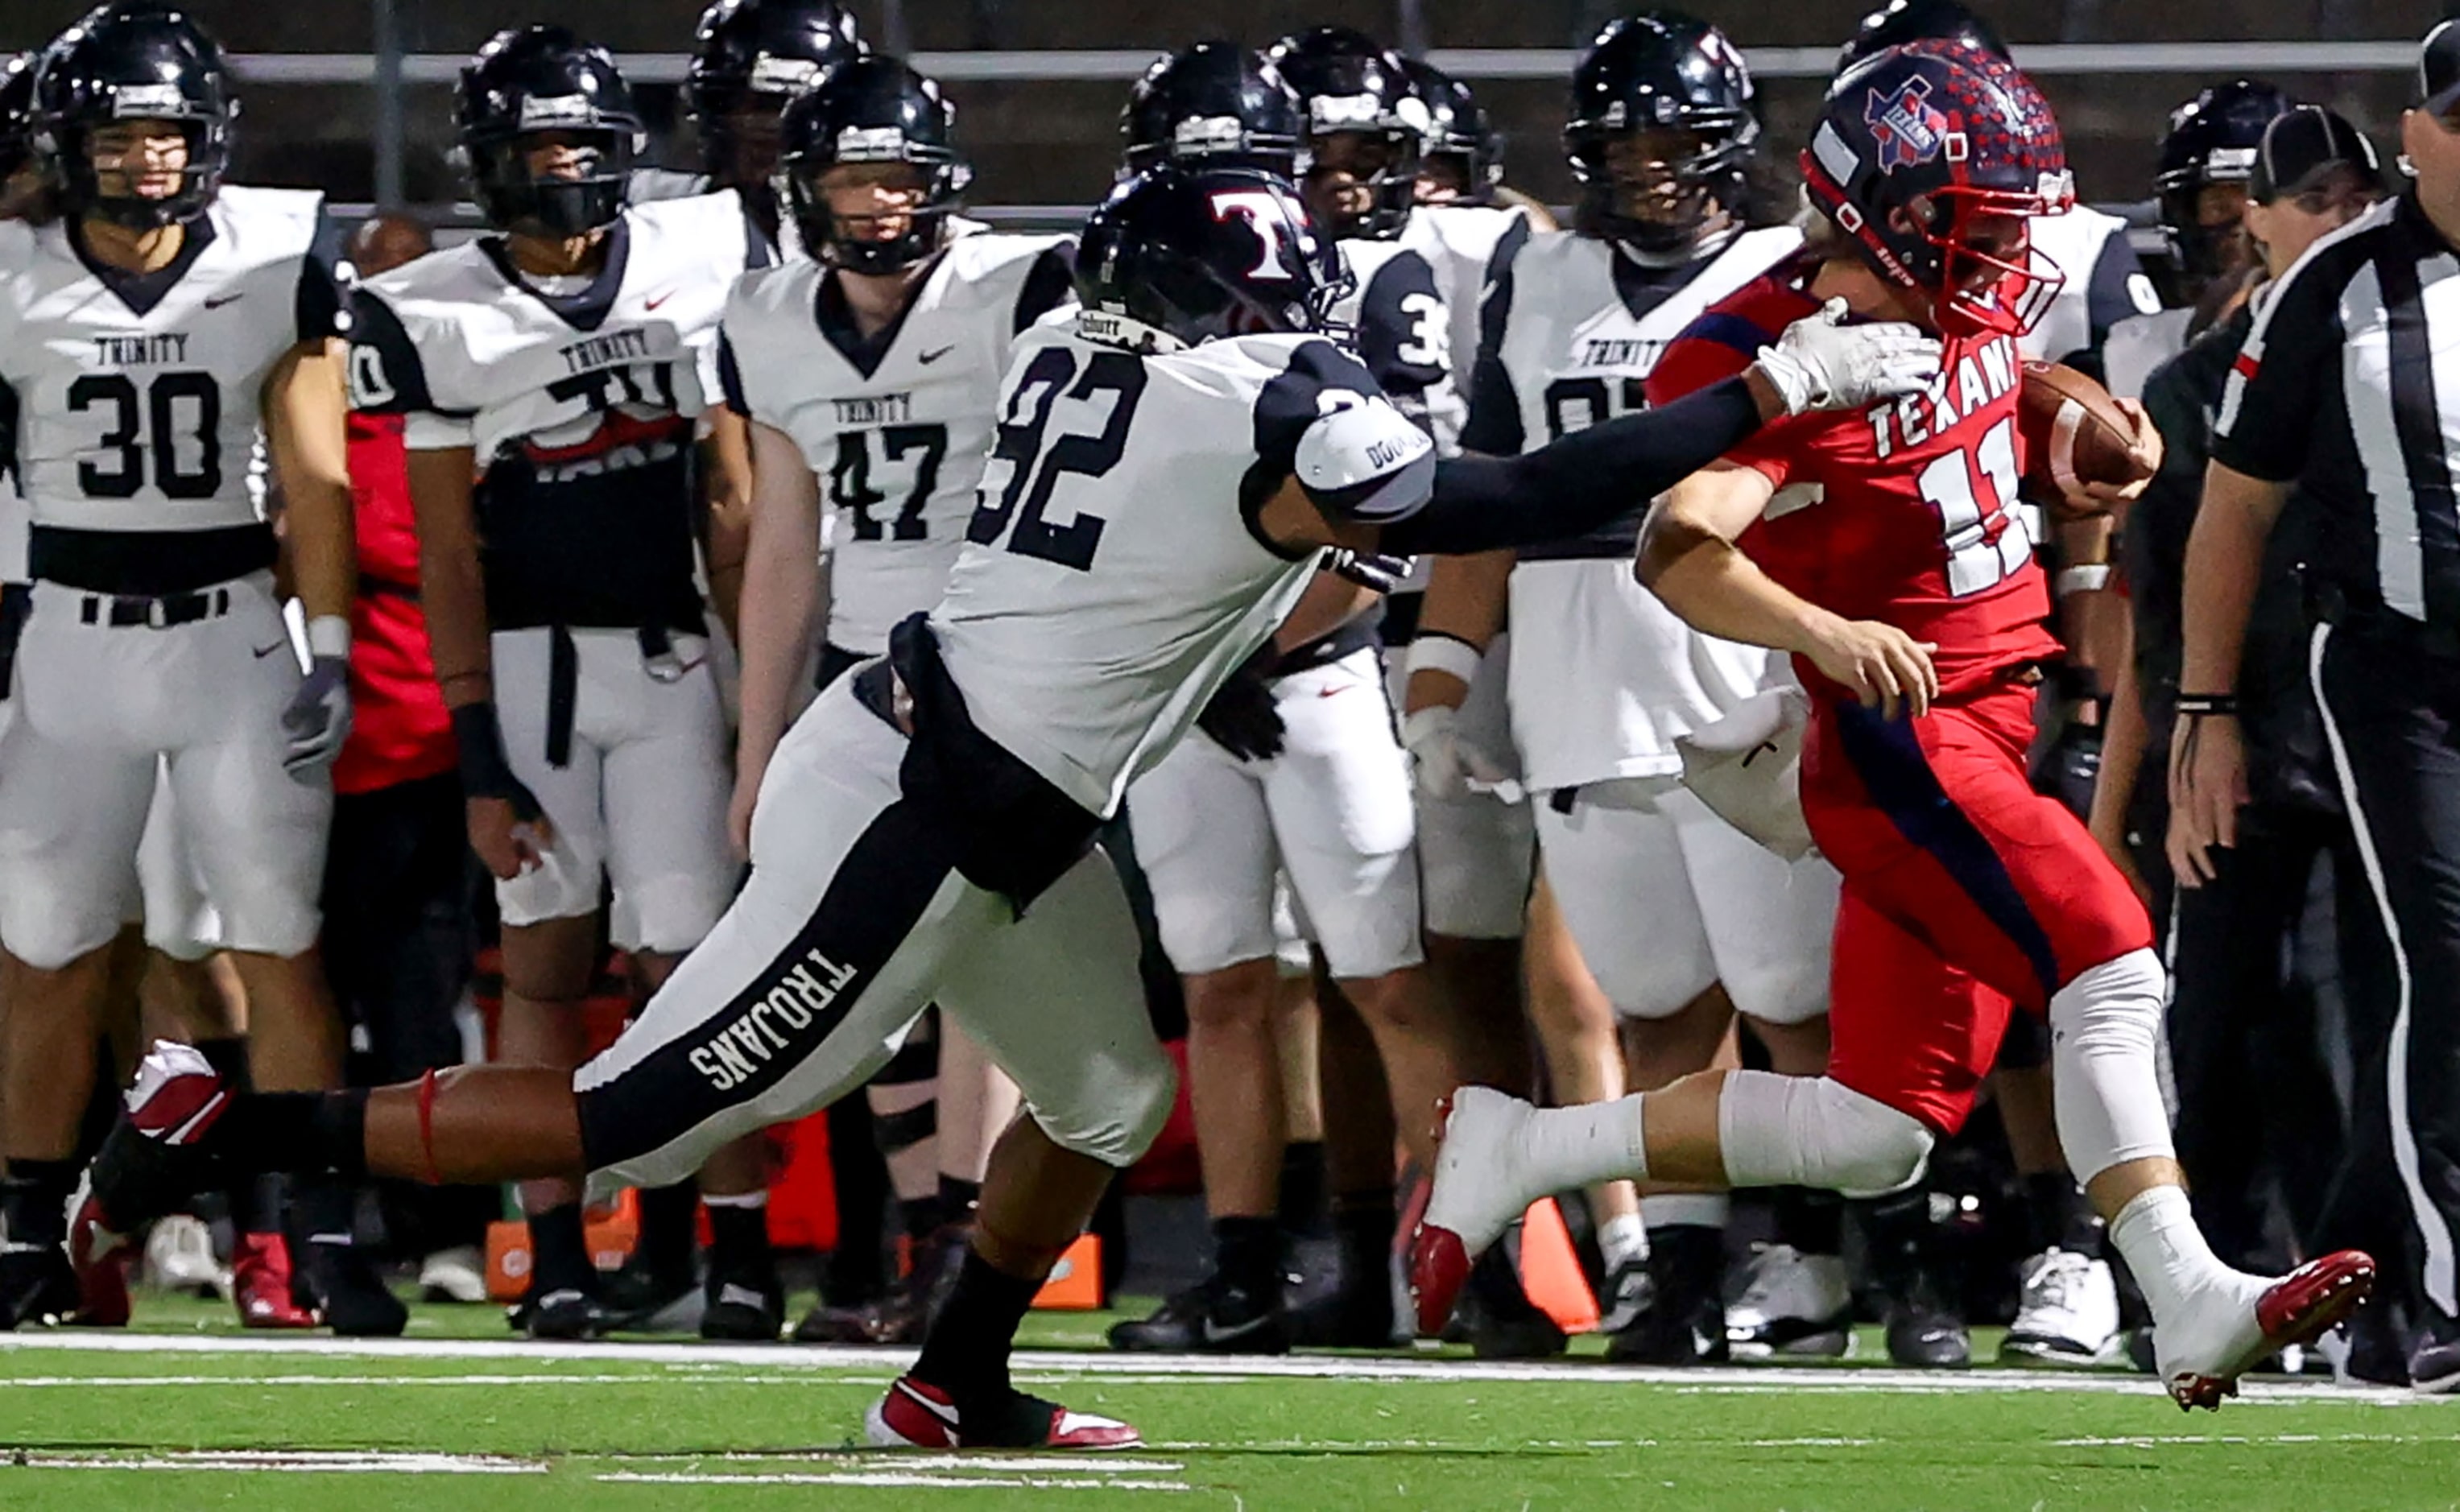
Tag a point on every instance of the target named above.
point(1171, 465)
point(550, 376)
point(1681, 918)
point(1462, 225)
point(869, 375)
point(143, 332)
point(1908, 591)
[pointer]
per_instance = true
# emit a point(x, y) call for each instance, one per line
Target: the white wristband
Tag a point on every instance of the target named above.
point(2089, 578)
point(1434, 651)
point(328, 636)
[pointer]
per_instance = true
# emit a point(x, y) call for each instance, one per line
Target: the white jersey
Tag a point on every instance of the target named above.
point(1603, 677)
point(897, 427)
point(1465, 244)
point(1403, 332)
point(580, 403)
point(2137, 347)
point(139, 395)
point(2103, 282)
point(1112, 579)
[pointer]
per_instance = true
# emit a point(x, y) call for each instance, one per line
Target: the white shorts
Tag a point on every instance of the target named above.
point(179, 918)
point(852, 922)
point(1664, 898)
point(98, 711)
point(1332, 809)
point(640, 799)
point(1477, 853)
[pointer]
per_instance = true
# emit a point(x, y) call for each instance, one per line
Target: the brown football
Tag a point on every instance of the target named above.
point(2074, 432)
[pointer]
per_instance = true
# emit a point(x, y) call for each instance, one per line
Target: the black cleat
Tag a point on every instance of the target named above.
point(643, 1298)
point(2435, 1359)
point(1211, 1317)
point(1356, 1313)
point(1501, 1322)
point(566, 1313)
point(353, 1299)
point(1685, 1321)
point(1924, 1333)
point(746, 1305)
point(37, 1287)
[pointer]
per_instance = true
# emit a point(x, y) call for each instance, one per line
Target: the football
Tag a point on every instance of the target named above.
point(2074, 432)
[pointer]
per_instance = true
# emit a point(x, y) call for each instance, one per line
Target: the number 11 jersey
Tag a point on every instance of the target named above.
point(1903, 512)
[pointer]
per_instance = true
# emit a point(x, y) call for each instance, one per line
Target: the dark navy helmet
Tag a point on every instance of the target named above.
point(872, 109)
point(1930, 159)
point(1214, 104)
point(538, 81)
point(135, 61)
point(1902, 21)
point(749, 59)
point(1457, 137)
point(16, 114)
point(1347, 84)
point(1178, 256)
point(2213, 140)
point(1660, 72)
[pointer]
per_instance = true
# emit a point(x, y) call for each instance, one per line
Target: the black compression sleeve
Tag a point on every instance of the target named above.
point(1579, 483)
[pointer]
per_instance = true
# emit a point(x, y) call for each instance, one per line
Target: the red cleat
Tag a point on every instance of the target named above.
point(916, 1415)
point(100, 1259)
point(260, 1285)
point(1439, 1266)
point(2293, 1310)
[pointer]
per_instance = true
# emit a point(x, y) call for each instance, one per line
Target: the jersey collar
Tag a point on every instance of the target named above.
point(835, 318)
point(1643, 288)
point(587, 309)
point(140, 293)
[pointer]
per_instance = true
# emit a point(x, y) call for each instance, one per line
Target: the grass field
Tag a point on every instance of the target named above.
point(182, 1414)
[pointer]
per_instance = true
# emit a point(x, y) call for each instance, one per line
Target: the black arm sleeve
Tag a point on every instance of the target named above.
point(1576, 484)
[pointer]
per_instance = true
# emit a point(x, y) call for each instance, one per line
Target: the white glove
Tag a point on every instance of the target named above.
point(1821, 363)
point(1446, 763)
point(1747, 768)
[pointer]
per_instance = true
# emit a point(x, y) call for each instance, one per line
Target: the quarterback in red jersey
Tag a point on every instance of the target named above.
point(1883, 550)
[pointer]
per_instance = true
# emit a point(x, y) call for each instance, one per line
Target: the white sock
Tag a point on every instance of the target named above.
point(1562, 1149)
point(749, 1199)
point(1685, 1210)
point(2156, 1233)
point(1623, 1241)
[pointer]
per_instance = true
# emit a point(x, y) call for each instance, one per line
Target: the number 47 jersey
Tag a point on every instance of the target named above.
point(1904, 512)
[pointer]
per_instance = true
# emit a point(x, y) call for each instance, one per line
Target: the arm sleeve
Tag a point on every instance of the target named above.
point(1494, 425)
point(1578, 484)
point(1712, 349)
point(2277, 385)
point(730, 376)
point(321, 307)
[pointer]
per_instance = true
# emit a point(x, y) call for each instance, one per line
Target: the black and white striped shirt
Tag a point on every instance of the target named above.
point(2349, 386)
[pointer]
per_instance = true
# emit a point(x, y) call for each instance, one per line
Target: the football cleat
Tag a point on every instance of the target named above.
point(2434, 1361)
point(745, 1306)
point(644, 1298)
point(263, 1287)
point(153, 1158)
point(916, 1415)
point(2068, 1314)
point(1475, 1196)
point(1684, 1323)
point(350, 1297)
point(2202, 1356)
point(1924, 1330)
point(1211, 1317)
point(102, 1286)
point(1795, 1305)
point(37, 1287)
point(565, 1314)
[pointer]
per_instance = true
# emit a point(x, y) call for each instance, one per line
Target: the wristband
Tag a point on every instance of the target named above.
point(2091, 578)
point(1434, 651)
point(486, 772)
point(2200, 705)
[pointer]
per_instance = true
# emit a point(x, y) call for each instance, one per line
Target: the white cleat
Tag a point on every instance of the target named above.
point(1479, 1190)
point(2068, 1314)
point(2227, 1328)
point(1796, 1304)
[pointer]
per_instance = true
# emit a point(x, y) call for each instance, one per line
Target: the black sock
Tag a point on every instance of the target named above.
point(322, 1211)
point(35, 1200)
point(2058, 1216)
point(1812, 1221)
point(920, 1216)
point(1897, 1240)
point(229, 1056)
point(966, 1354)
point(1363, 1223)
point(667, 1230)
point(259, 1203)
point(738, 1237)
point(310, 1133)
point(1247, 1252)
point(959, 1198)
point(560, 1253)
point(1302, 1207)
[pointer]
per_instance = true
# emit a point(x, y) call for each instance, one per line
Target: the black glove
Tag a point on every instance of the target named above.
point(1374, 570)
point(1242, 718)
point(486, 772)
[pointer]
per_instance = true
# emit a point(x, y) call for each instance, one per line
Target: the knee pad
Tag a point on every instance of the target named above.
point(2105, 1087)
point(1815, 1131)
point(1135, 1101)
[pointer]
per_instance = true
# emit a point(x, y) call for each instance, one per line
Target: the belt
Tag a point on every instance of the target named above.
point(131, 611)
point(563, 681)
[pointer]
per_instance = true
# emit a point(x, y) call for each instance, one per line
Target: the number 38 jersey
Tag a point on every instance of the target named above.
point(137, 396)
point(897, 427)
point(580, 399)
point(1114, 576)
point(1603, 676)
point(1904, 512)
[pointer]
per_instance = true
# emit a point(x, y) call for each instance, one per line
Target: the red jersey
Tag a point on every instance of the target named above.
point(1902, 513)
point(399, 731)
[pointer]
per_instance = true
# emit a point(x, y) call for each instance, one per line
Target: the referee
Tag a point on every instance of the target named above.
point(2347, 393)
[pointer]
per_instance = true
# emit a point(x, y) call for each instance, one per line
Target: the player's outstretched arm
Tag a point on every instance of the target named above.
point(1687, 557)
point(305, 411)
point(781, 593)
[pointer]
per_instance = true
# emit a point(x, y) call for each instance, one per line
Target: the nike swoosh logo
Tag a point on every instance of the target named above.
point(217, 301)
point(262, 652)
point(929, 357)
point(1216, 1334)
point(653, 303)
point(1330, 691)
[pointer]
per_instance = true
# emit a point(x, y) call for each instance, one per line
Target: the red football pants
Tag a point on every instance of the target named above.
point(1966, 893)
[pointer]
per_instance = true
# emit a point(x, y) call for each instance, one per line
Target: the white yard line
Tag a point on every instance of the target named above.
point(896, 1479)
point(308, 1461)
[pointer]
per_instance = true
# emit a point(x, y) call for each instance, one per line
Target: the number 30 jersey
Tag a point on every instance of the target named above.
point(1114, 576)
point(137, 396)
point(897, 427)
point(1904, 512)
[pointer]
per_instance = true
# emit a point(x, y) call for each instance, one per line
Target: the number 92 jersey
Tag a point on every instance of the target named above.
point(137, 394)
point(897, 426)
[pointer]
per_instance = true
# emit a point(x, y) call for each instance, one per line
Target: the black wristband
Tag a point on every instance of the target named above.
point(2199, 705)
point(486, 772)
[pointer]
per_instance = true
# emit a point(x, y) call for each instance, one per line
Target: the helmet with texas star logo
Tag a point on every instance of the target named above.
point(1930, 159)
point(538, 81)
point(749, 59)
point(135, 61)
point(872, 109)
point(1177, 257)
point(1214, 104)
